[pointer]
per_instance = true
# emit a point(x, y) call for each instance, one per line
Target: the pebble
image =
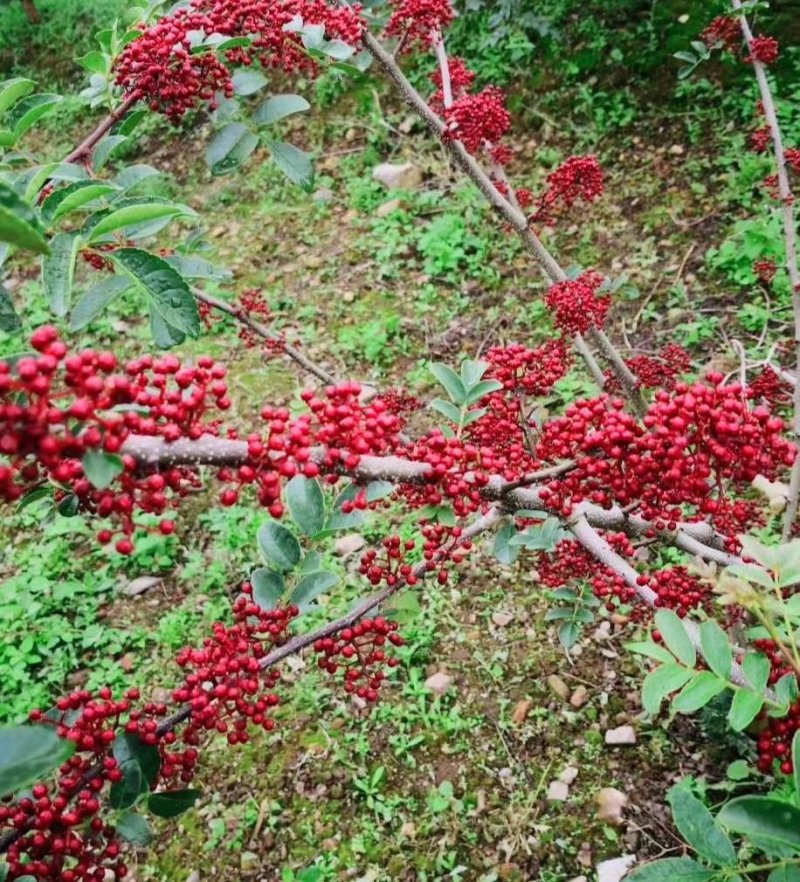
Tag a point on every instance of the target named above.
point(349, 544)
point(568, 775)
point(615, 869)
point(405, 176)
point(579, 697)
point(558, 791)
point(387, 208)
point(439, 683)
point(610, 804)
point(558, 687)
point(622, 735)
point(521, 711)
point(139, 586)
point(502, 618)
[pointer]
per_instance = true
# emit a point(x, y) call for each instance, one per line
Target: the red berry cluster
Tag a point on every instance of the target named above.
point(389, 565)
point(579, 177)
point(575, 304)
point(696, 446)
point(224, 686)
point(478, 119)
point(775, 740)
point(160, 66)
point(764, 50)
point(766, 270)
point(654, 372)
point(724, 31)
point(461, 79)
point(418, 21)
point(679, 590)
point(359, 653)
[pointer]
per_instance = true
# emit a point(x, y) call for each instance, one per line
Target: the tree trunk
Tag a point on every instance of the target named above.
point(32, 13)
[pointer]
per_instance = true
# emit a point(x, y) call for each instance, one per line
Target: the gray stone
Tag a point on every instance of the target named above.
point(350, 543)
point(610, 805)
point(615, 869)
point(622, 735)
point(387, 208)
point(439, 683)
point(502, 618)
point(398, 176)
point(579, 697)
point(558, 687)
point(139, 586)
point(558, 791)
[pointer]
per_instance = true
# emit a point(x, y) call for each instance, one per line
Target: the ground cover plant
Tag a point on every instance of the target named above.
point(644, 491)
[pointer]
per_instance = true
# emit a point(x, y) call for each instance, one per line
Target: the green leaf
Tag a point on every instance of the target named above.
point(279, 106)
point(744, 709)
point(126, 792)
point(796, 761)
point(131, 215)
point(698, 827)
point(306, 504)
point(28, 753)
point(102, 152)
point(28, 112)
point(102, 468)
point(681, 869)
point(448, 410)
point(73, 196)
point(505, 553)
point(738, 770)
point(33, 496)
point(10, 322)
point(295, 163)
point(279, 546)
point(769, 820)
point(268, 587)
point(309, 588)
point(472, 372)
point(94, 61)
point(651, 650)
point(751, 573)
point(230, 148)
point(757, 669)
point(13, 90)
point(658, 684)
point(568, 634)
point(165, 336)
point(248, 82)
point(675, 636)
point(18, 223)
point(95, 300)
point(133, 828)
point(450, 380)
point(127, 178)
point(480, 390)
point(716, 648)
point(127, 747)
point(697, 693)
point(172, 803)
point(168, 292)
point(787, 873)
point(58, 269)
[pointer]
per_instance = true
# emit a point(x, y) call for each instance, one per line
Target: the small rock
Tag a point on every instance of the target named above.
point(502, 619)
point(622, 735)
point(568, 775)
point(558, 686)
point(127, 663)
point(405, 176)
point(408, 830)
point(677, 150)
point(138, 586)
point(521, 711)
point(439, 683)
point(610, 804)
point(615, 869)
point(620, 619)
point(578, 879)
point(324, 194)
point(248, 860)
point(194, 876)
point(349, 544)
point(584, 856)
point(558, 791)
point(387, 208)
point(579, 697)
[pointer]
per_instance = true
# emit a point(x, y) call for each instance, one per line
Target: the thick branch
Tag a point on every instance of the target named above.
point(790, 242)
